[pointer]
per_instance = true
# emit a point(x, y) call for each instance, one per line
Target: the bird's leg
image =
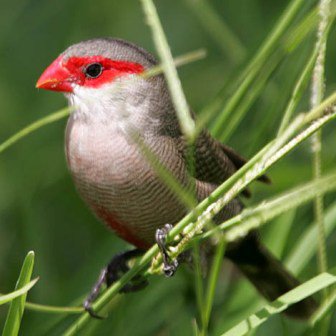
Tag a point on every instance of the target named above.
point(115, 269)
point(169, 265)
point(94, 293)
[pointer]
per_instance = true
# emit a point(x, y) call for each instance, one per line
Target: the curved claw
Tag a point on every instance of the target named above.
point(91, 312)
point(169, 266)
point(169, 269)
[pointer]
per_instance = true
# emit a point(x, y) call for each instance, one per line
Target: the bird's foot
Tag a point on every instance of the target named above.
point(93, 295)
point(116, 268)
point(169, 265)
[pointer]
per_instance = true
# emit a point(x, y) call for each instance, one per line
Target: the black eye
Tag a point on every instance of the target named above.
point(93, 70)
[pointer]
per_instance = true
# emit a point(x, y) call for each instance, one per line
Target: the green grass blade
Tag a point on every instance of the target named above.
point(324, 308)
point(178, 61)
point(212, 282)
point(253, 217)
point(251, 96)
point(43, 308)
point(33, 127)
point(16, 309)
point(306, 247)
point(228, 101)
point(187, 123)
point(199, 287)
point(218, 30)
point(53, 309)
point(276, 33)
point(11, 296)
point(299, 293)
point(317, 93)
point(261, 56)
point(298, 92)
point(279, 231)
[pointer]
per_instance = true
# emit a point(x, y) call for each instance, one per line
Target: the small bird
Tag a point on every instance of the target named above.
point(116, 112)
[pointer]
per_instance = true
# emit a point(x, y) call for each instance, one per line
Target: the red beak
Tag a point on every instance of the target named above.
point(56, 77)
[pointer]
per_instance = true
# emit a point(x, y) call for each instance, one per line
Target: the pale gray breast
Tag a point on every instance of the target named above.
point(111, 173)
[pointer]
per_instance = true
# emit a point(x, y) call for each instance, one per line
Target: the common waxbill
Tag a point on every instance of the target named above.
point(115, 111)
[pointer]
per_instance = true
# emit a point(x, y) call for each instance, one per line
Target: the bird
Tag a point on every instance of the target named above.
point(116, 113)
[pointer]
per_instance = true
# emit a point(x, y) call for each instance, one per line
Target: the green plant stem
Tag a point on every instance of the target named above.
point(250, 72)
point(16, 308)
point(292, 40)
point(317, 92)
point(318, 205)
point(276, 33)
point(6, 298)
point(39, 307)
point(302, 82)
point(297, 294)
point(218, 30)
point(178, 61)
point(212, 282)
point(241, 109)
point(34, 126)
point(252, 218)
point(199, 288)
point(324, 308)
point(259, 77)
point(186, 121)
point(53, 309)
point(298, 92)
point(307, 245)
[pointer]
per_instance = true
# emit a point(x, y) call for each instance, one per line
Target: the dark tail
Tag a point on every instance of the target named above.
point(267, 274)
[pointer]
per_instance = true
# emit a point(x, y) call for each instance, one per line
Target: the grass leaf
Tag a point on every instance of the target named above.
point(252, 69)
point(11, 296)
point(306, 247)
point(299, 293)
point(16, 309)
point(187, 123)
point(218, 30)
point(34, 126)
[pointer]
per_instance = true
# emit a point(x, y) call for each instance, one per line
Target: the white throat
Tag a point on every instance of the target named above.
point(122, 103)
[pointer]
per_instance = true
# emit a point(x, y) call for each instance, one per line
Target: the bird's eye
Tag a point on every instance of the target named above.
point(93, 70)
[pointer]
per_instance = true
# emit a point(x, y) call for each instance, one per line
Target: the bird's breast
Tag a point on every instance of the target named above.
point(118, 184)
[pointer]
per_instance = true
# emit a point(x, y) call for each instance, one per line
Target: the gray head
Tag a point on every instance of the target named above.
point(94, 63)
point(102, 77)
point(112, 48)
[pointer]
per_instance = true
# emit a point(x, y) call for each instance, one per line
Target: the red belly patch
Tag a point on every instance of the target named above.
point(120, 229)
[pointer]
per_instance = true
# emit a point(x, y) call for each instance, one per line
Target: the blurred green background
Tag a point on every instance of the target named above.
point(39, 207)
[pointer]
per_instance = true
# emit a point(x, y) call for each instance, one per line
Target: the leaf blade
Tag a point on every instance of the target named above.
point(16, 309)
point(11, 296)
point(299, 293)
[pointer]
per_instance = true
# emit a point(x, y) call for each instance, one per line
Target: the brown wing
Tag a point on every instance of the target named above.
point(216, 162)
point(239, 161)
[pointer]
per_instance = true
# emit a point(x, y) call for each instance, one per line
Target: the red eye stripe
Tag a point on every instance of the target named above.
point(111, 69)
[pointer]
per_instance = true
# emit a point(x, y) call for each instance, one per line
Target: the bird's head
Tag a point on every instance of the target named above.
point(93, 64)
point(101, 78)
